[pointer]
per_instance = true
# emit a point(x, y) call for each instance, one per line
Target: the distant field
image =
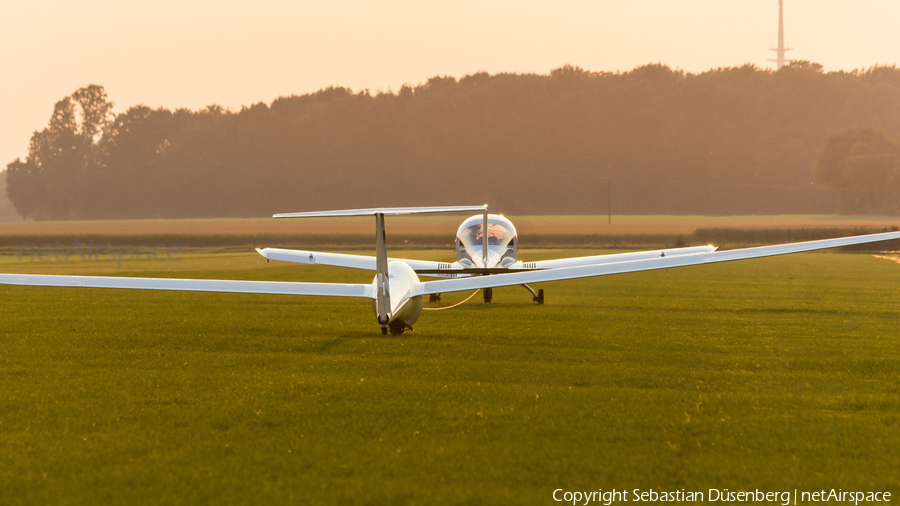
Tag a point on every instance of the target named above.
point(445, 225)
point(772, 374)
point(440, 230)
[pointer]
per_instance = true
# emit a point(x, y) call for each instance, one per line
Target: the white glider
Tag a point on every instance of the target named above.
point(487, 257)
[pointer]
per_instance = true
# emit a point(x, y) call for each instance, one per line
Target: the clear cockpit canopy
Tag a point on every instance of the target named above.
point(501, 231)
point(501, 235)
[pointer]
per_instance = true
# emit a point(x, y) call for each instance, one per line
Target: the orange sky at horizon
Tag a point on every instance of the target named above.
point(233, 53)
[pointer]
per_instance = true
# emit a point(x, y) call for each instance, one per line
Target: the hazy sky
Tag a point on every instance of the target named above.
point(194, 53)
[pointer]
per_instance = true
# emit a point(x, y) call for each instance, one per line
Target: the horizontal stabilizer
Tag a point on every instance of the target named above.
point(387, 211)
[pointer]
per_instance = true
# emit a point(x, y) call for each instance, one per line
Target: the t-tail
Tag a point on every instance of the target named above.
point(386, 310)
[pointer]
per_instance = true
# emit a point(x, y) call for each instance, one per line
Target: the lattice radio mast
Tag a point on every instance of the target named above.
point(780, 50)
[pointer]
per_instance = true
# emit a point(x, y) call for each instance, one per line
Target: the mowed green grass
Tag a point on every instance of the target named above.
point(774, 374)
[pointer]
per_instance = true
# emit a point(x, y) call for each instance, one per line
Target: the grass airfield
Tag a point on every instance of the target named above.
point(771, 374)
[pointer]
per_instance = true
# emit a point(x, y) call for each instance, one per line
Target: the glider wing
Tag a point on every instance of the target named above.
point(340, 259)
point(193, 285)
point(661, 262)
point(618, 257)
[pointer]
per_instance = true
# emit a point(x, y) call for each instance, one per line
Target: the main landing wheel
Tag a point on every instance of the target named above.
point(488, 295)
point(398, 328)
point(535, 297)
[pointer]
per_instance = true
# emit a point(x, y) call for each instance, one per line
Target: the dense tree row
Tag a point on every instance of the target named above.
point(731, 140)
point(7, 210)
point(863, 165)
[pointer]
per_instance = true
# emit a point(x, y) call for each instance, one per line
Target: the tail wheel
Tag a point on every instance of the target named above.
point(488, 295)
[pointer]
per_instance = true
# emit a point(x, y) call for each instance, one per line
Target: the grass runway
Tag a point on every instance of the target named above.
point(770, 374)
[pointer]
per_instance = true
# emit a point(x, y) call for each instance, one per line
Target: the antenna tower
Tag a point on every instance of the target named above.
point(780, 50)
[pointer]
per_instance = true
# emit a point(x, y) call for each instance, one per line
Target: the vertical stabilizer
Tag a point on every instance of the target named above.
point(484, 240)
point(382, 278)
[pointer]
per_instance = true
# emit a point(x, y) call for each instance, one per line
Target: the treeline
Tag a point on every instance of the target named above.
point(863, 165)
point(738, 140)
point(7, 211)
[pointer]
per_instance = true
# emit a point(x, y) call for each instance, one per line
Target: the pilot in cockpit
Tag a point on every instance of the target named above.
point(498, 235)
point(473, 235)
